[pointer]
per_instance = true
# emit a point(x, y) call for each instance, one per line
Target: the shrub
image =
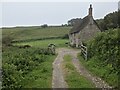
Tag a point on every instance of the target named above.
point(7, 41)
point(44, 25)
point(105, 47)
point(18, 62)
point(25, 46)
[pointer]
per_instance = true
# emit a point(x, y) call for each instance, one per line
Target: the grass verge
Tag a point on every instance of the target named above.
point(96, 68)
point(41, 77)
point(72, 77)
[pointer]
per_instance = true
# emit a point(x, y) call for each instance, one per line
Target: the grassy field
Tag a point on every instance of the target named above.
point(24, 33)
point(72, 77)
point(45, 43)
point(28, 67)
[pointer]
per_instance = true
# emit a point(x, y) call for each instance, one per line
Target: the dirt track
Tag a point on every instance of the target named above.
point(58, 78)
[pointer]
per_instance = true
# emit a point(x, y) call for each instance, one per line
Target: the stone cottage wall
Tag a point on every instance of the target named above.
point(72, 39)
point(88, 32)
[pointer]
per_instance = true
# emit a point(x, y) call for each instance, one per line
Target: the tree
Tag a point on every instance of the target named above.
point(44, 25)
point(111, 20)
point(119, 18)
point(72, 22)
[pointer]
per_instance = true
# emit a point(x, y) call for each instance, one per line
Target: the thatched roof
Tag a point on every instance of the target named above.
point(81, 25)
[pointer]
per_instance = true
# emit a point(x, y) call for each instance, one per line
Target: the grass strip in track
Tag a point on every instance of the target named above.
point(72, 77)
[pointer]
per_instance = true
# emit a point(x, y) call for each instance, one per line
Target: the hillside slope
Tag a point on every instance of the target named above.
point(37, 32)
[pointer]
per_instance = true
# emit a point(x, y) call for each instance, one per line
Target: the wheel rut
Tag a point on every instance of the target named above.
point(58, 76)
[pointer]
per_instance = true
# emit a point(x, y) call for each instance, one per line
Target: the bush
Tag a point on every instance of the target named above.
point(65, 36)
point(105, 47)
point(7, 41)
point(25, 46)
point(18, 62)
point(44, 25)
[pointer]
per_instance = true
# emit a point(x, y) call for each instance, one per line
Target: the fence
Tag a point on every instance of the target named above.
point(84, 50)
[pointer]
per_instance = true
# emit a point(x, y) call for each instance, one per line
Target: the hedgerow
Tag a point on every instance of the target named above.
point(105, 48)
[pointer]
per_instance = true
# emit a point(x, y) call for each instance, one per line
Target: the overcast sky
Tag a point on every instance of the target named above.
point(51, 13)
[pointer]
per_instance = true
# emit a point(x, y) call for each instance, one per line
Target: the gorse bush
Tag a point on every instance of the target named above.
point(105, 48)
point(17, 62)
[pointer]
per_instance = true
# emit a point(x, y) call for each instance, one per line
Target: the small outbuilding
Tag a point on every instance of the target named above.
point(84, 30)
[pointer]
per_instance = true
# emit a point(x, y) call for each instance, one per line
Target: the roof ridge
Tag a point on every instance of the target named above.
point(77, 28)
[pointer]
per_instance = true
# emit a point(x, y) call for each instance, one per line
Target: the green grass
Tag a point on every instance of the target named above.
point(45, 43)
point(25, 33)
point(96, 67)
point(39, 76)
point(72, 77)
point(42, 76)
point(26, 68)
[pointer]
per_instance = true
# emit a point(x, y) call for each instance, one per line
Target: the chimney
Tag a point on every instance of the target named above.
point(90, 10)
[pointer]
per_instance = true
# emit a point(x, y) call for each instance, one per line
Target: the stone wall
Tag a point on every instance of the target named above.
point(72, 39)
point(88, 32)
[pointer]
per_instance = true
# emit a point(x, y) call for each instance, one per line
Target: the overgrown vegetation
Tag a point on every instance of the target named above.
point(7, 41)
point(72, 77)
point(105, 47)
point(103, 56)
point(19, 62)
point(41, 77)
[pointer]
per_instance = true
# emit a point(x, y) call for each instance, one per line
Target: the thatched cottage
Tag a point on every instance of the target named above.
point(84, 30)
